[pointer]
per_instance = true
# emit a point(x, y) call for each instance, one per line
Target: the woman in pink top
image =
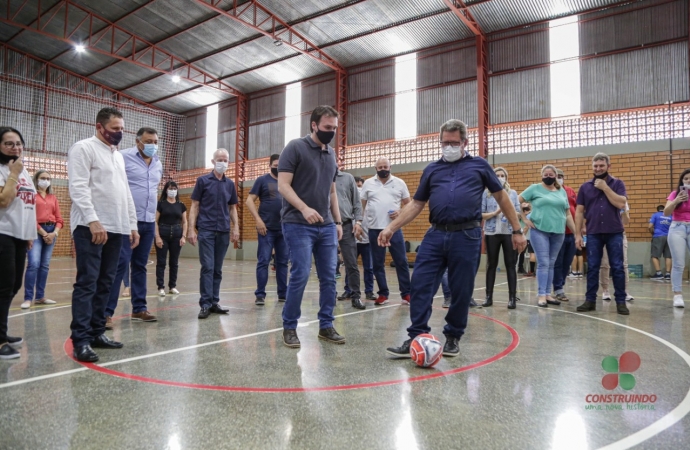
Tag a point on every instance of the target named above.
point(679, 234)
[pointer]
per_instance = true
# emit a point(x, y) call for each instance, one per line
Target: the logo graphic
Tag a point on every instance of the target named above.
point(620, 371)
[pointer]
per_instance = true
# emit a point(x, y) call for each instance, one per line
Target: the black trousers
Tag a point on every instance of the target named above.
point(170, 235)
point(493, 246)
point(12, 262)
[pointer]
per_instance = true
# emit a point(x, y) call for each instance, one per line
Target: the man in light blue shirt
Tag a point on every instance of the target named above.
point(144, 172)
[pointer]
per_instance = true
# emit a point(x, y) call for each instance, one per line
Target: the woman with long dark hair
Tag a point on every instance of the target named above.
point(171, 229)
point(48, 224)
point(499, 234)
point(17, 228)
point(678, 208)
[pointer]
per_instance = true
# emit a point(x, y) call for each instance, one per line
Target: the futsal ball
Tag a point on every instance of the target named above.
point(426, 350)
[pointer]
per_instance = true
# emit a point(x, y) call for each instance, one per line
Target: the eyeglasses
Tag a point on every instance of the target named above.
point(12, 144)
point(452, 144)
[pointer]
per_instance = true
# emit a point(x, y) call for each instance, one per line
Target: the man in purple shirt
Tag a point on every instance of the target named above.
point(144, 172)
point(600, 201)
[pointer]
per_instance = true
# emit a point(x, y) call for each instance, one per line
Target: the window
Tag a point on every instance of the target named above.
point(564, 52)
point(211, 133)
point(293, 109)
point(406, 96)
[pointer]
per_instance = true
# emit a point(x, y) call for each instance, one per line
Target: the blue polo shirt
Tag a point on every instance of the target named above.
point(454, 190)
point(214, 197)
point(602, 217)
point(266, 188)
point(661, 224)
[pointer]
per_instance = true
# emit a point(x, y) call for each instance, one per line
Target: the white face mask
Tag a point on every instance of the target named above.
point(451, 153)
point(687, 185)
point(172, 194)
point(502, 180)
point(44, 184)
point(560, 181)
point(221, 167)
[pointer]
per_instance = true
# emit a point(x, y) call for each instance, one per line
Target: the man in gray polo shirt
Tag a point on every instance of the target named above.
point(351, 215)
point(311, 221)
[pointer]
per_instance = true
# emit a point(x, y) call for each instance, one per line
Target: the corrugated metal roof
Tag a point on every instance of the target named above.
point(123, 74)
point(158, 88)
point(192, 99)
point(291, 11)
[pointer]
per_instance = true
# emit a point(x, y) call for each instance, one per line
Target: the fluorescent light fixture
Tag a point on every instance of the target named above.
point(175, 78)
point(80, 48)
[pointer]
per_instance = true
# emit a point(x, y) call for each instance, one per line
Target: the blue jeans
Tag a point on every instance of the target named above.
point(546, 247)
point(459, 253)
point(378, 256)
point(563, 261)
point(364, 250)
point(678, 240)
point(303, 242)
point(38, 266)
point(595, 249)
point(213, 246)
point(96, 268)
point(272, 241)
point(136, 258)
point(444, 285)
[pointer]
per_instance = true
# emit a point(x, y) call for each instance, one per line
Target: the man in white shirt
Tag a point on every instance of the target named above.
point(102, 214)
point(382, 198)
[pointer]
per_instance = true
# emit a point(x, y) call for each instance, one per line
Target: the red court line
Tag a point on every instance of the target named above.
point(513, 345)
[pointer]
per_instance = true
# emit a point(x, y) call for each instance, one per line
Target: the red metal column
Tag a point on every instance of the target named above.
point(482, 95)
point(241, 137)
point(341, 107)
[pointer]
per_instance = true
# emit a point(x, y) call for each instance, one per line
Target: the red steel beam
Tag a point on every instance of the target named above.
point(241, 156)
point(149, 56)
point(341, 107)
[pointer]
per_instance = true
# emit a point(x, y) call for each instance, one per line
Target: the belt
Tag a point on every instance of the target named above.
point(456, 226)
point(47, 224)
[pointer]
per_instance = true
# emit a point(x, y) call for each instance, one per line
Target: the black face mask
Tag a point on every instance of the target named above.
point(274, 171)
point(5, 159)
point(602, 176)
point(325, 137)
point(383, 173)
point(548, 181)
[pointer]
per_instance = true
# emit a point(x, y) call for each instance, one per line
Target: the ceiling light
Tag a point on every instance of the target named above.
point(80, 48)
point(175, 78)
point(277, 42)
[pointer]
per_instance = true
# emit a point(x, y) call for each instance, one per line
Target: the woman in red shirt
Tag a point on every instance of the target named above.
point(49, 223)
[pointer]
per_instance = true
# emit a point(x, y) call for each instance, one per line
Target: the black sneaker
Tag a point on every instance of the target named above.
point(474, 304)
point(7, 352)
point(446, 302)
point(400, 352)
point(622, 309)
point(204, 313)
point(667, 277)
point(587, 306)
point(330, 335)
point(451, 346)
point(260, 301)
point(345, 296)
point(370, 296)
point(14, 340)
point(290, 338)
point(657, 277)
point(281, 300)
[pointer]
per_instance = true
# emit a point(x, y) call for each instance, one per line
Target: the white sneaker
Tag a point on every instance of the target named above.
point(606, 295)
point(26, 304)
point(629, 298)
point(678, 301)
point(161, 292)
point(45, 301)
point(174, 291)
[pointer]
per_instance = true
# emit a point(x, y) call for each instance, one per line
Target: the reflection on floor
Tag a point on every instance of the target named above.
point(526, 378)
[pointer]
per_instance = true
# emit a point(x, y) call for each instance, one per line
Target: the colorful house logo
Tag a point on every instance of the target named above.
point(619, 371)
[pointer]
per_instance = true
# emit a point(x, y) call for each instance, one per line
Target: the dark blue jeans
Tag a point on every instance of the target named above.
point(303, 242)
point(213, 246)
point(96, 268)
point(595, 249)
point(364, 250)
point(445, 287)
point(563, 262)
point(137, 259)
point(272, 241)
point(37, 267)
point(378, 256)
point(459, 252)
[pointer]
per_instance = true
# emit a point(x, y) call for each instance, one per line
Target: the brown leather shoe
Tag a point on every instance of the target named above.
point(143, 316)
point(108, 323)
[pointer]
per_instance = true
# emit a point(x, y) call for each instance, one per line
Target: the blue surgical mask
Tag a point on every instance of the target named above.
point(150, 150)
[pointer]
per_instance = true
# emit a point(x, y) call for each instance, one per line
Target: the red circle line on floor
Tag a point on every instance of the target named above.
point(513, 345)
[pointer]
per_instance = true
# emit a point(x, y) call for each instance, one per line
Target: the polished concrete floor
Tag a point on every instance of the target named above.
point(523, 378)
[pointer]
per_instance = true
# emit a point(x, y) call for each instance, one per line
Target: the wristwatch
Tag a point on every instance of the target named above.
point(338, 223)
point(517, 231)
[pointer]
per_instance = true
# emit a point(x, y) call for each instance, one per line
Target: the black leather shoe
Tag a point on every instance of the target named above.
point(400, 352)
point(512, 302)
point(290, 338)
point(357, 303)
point(553, 302)
point(260, 301)
point(204, 313)
point(488, 302)
point(12, 340)
point(474, 304)
point(345, 296)
point(85, 353)
point(587, 306)
point(281, 300)
point(330, 335)
point(104, 341)
point(370, 296)
point(622, 309)
point(217, 309)
point(451, 346)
